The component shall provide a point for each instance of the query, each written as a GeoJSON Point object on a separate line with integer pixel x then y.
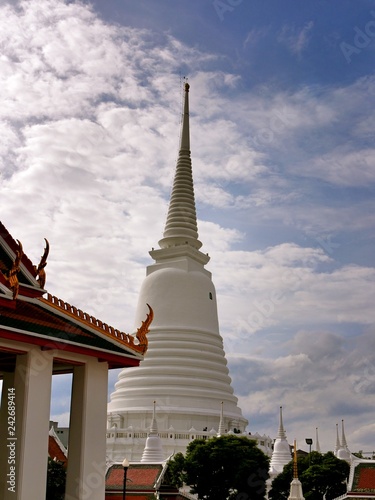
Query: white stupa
{"type": "Point", "coordinates": [317, 444]}
{"type": "Point", "coordinates": [153, 451]}
{"type": "Point", "coordinates": [184, 370]}
{"type": "Point", "coordinates": [281, 454]}
{"type": "Point", "coordinates": [281, 451]}
{"type": "Point", "coordinates": [341, 450]}
{"type": "Point", "coordinates": [338, 444]}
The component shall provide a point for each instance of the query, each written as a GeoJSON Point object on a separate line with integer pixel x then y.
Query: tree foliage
{"type": "Point", "coordinates": [56, 478]}
{"type": "Point", "coordinates": [319, 474]}
{"type": "Point", "coordinates": [222, 468]}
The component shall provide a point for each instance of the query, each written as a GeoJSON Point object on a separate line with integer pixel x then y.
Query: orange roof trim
{"type": "Point", "coordinates": [110, 332]}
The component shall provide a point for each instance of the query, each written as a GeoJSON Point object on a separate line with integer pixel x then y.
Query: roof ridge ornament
{"type": "Point", "coordinates": [39, 270]}
{"type": "Point", "coordinates": [142, 331]}
{"type": "Point", "coordinates": [12, 275]}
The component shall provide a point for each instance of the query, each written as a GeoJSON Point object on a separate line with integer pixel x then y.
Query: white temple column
{"type": "Point", "coordinates": [32, 383]}
{"type": "Point", "coordinates": [8, 383]}
{"type": "Point", "coordinates": [87, 437]}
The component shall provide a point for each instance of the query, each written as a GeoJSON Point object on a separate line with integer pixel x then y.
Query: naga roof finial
{"type": "Point", "coordinates": [12, 276]}
{"type": "Point", "coordinates": [142, 331]}
{"type": "Point", "coordinates": [40, 271]}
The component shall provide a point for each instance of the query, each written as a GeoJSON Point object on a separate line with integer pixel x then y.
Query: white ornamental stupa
{"type": "Point", "coordinates": [341, 450]}
{"type": "Point", "coordinates": [184, 369]}
{"type": "Point", "coordinates": [281, 454]}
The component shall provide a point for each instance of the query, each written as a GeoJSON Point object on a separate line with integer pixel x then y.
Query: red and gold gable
{"type": "Point", "coordinates": [27, 316]}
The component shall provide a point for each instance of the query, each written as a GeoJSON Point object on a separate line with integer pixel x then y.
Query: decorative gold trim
{"type": "Point", "coordinates": [114, 334]}
{"type": "Point", "coordinates": [12, 275]}
{"type": "Point", "coordinates": [40, 272]}
{"type": "Point", "coordinates": [143, 330]}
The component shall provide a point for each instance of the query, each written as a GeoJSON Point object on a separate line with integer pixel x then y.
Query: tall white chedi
{"type": "Point", "coordinates": [184, 369]}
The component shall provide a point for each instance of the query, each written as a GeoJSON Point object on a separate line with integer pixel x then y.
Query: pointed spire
{"type": "Point", "coordinates": [344, 443]}
{"type": "Point", "coordinates": [344, 453]}
{"type": "Point", "coordinates": [153, 451]}
{"type": "Point", "coordinates": [221, 430]}
{"type": "Point", "coordinates": [153, 427]}
{"type": "Point", "coordinates": [185, 132]}
{"type": "Point", "coordinates": [281, 432]}
{"type": "Point", "coordinates": [317, 445]}
{"type": "Point", "coordinates": [338, 444]}
{"type": "Point", "coordinates": [181, 225]}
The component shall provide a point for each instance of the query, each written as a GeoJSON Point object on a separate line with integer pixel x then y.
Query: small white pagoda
{"type": "Point", "coordinates": [281, 454]}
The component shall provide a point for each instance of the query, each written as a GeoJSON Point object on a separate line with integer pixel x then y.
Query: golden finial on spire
{"type": "Point", "coordinates": [187, 86]}
{"type": "Point", "coordinates": [40, 271]}
{"type": "Point", "coordinates": [295, 466]}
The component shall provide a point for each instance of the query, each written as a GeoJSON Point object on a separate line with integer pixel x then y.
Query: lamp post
{"type": "Point", "coordinates": [125, 464]}
{"type": "Point", "coordinates": [309, 441]}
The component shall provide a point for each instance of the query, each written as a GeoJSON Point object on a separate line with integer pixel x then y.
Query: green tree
{"type": "Point", "coordinates": [56, 478]}
{"type": "Point", "coordinates": [319, 474]}
{"type": "Point", "coordinates": [222, 468]}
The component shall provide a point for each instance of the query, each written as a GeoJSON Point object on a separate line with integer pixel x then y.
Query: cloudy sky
{"type": "Point", "coordinates": [282, 136]}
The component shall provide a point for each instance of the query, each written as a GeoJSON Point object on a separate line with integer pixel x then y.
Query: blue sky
{"type": "Point", "coordinates": [282, 136]}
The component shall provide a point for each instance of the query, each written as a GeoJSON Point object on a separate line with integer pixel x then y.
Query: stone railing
{"type": "Point", "coordinates": [130, 434]}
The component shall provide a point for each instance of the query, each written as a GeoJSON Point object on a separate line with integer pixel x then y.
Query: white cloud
{"type": "Point", "coordinates": [296, 39]}
{"type": "Point", "coordinates": [285, 289]}
{"type": "Point", "coordinates": [312, 385]}
{"type": "Point", "coordinates": [255, 35]}
{"type": "Point", "coordinates": [346, 168]}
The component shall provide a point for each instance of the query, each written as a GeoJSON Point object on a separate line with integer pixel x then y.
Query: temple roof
{"type": "Point", "coordinates": [142, 482]}
{"type": "Point", "coordinates": [361, 480]}
{"type": "Point", "coordinates": [364, 478]}
{"type": "Point", "coordinates": [27, 316]}
{"type": "Point", "coordinates": [140, 476]}
{"type": "Point", "coordinates": [5, 260]}
{"type": "Point", "coordinates": [56, 450]}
